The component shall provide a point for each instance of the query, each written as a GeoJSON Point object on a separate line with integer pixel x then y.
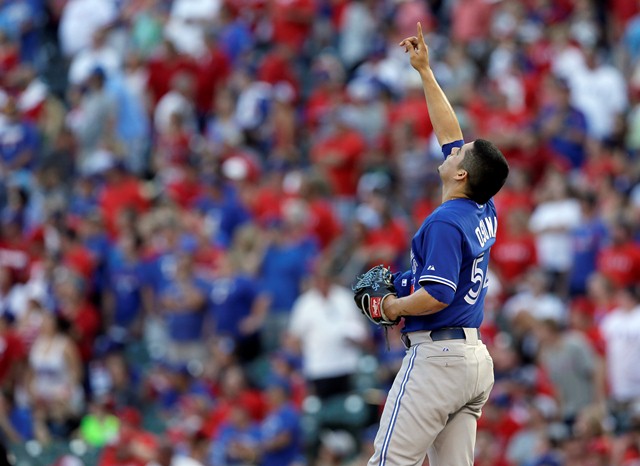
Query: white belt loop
{"type": "Point", "coordinates": [471, 336]}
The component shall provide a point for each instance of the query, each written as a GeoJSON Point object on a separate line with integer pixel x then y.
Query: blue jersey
{"type": "Point", "coordinates": [284, 419]}
{"type": "Point", "coordinates": [449, 259]}
{"type": "Point", "coordinates": [230, 301]}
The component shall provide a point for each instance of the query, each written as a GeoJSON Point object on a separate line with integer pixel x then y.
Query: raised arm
{"type": "Point", "coordinates": [443, 118]}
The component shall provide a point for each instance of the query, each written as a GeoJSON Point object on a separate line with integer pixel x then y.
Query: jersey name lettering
{"type": "Point", "coordinates": [486, 230]}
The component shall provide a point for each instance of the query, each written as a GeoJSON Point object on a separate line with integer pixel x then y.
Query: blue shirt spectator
{"type": "Point", "coordinates": [237, 440]}
{"type": "Point", "coordinates": [587, 240]}
{"type": "Point", "coordinates": [222, 211]}
{"type": "Point", "coordinates": [286, 263]}
{"type": "Point", "coordinates": [231, 300]}
{"type": "Point", "coordinates": [564, 127]}
{"type": "Point", "coordinates": [19, 140]}
{"type": "Point", "coordinates": [182, 300]}
{"type": "Point", "coordinates": [281, 430]}
{"type": "Point", "coordinates": [125, 277]}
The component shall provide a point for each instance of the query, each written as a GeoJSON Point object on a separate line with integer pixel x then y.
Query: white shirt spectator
{"type": "Point", "coordinates": [88, 59]}
{"type": "Point", "coordinates": [15, 301]}
{"type": "Point", "coordinates": [328, 328]}
{"type": "Point", "coordinates": [80, 20]}
{"type": "Point", "coordinates": [356, 33]}
{"type": "Point", "coordinates": [551, 222]}
{"type": "Point", "coordinates": [187, 23]}
{"type": "Point", "coordinates": [601, 94]}
{"type": "Point", "coordinates": [621, 331]}
{"type": "Point", "coordinates": [566, 61]}
{"type": "Point", "coordinates": [541, 307]}
{"type": "Point", "coordinates": [173, 102]}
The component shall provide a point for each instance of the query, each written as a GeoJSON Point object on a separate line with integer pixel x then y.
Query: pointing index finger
{"type": "Point", "coordinates": [420, 36]}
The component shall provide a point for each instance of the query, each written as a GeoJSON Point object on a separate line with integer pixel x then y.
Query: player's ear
{"type": "Point", "coordinates": [461, 174]}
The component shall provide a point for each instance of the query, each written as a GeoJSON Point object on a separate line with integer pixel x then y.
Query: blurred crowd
{"type": "Point", "coordinates": [189, 187]}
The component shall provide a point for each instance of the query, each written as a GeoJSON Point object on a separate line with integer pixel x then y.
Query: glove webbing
{"type": "Point", "coordinates": [369, 278]}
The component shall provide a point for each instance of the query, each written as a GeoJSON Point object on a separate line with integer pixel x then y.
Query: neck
{"type": "Point", "coordinates": [449, 193]}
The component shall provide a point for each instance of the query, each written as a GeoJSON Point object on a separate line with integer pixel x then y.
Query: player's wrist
{"type": "Point", "coordinates": [426, 73]}
{"type": "Point", "coordinates": [389, 311]}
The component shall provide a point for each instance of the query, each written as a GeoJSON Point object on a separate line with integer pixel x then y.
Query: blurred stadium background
{"type": "Point", "coordinates": [188, 188]}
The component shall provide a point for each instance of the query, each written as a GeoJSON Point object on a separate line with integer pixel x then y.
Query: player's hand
{"type": "Point", "coordinates": [418, 50]}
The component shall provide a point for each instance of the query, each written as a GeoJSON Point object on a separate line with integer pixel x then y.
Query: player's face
{"type": "Point", "coordinates": [451, 164]}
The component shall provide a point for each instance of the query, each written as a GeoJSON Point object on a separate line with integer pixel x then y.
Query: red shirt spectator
{"type": "Point", "coordinates": [185, 188]}
{"type": "Point", "coordinates": [412, 110]}
{"type": "Point", "coordinates": [292, 21]}
{"type": "Point", "coordinates": [323, 223]}
{"type": "Point", "coordinates": [422, 209]}
{"type": "Point", "coordinates": [134, 447]}
{"type": "Point", "coordinates": [497, 122]}
{"type": "Point", "coordinates": [510, 198]}
{"type": "Point", "coordinates": [500, 421]}
{"type": "Point", "coordinates": [164, 67]}
{"type": "Point", "coordinates": [339, 155]}
{"type": "Point", "coordinates": [276, 67]}
{"type": "Point", "coordinates": [471, 20]}
{"type": "Point", "coordinates": [622, 11]}
{"type": "Point", "coordinates": [252, 400]}
{"type": "Point", "coordinates": [77, 257]}
{"type": "Point", "coordinates": [387, 242]}
{"type": "Point", "coordinates": [9, 56]}
{"type": "Point", "coordinates": [172, 146]}
{"type": "Point", "coordinates": [213, 70]}
{"type": "Point", "coordinates": [121, 192]}
{"type": "Point", "coordinates": [12, 351]}
{"type": "Point", "coordinates": [266, 204]}
{"type": "Point", "coordinates": [620, 261]}
{"type": "Point", "coordinates": [83, 317]}
{"type": "Point", "coordinates": [581, 318]}
{"type": "Point", "coordinates": [515, 249]}
{"type": "Point", "coordinates": [323, 99]}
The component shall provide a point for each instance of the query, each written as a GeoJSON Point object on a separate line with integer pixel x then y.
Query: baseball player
{"type": "Point", "coordinates": [447, 372]}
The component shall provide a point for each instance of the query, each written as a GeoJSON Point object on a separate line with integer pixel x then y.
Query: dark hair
{"type": "Point", "coordinates": [487, 170]}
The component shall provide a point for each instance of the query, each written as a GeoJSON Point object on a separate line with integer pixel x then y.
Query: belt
{"type": "Point", "coordinates": [445, 333]}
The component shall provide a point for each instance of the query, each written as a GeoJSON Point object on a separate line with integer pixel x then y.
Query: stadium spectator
{"type": "Point", "coordinates": [575, 389]}
{"type": "Point", "coordinates": [619, 261]}
{"type": "Point", "coordinates": [551, 221]}
{"type": "Point", "coordinates": [183, 302]}
{"type": "Point", "coordinates": [281, 439]}
{"type": "Point", "coordinates": [563, 127]}
{"type": "Point", "coordinates": [620, 329]}
{"type": "Point", "coordinates": [237, 308]}
{"type": "Point", "coordinates": [515, 253]}
{"type": "Point", "coordinates": [329, 357]}
{"type": "Point", "coordinates": [237, 441]}
{"type": "Point", "coordinates": [55, 380]}
{"type": "Point", "coordinates": [588, 239]}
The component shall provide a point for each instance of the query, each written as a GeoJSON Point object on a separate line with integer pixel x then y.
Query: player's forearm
{"type": "Point", "coordinates": [419, 303]}
{"type": "Point", "coordinates": [443, 118]}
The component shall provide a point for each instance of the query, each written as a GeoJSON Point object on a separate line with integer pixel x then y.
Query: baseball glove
{"type": "Point", "coordinates": [370, 290]}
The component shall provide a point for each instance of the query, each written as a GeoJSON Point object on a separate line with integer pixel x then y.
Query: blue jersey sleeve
{"type": "Point", "coordinates": [402, 282]}
{"type": "Point", "coordinates": [442, 261]}
{"type": "Point", "coordinates": [447, 148]}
